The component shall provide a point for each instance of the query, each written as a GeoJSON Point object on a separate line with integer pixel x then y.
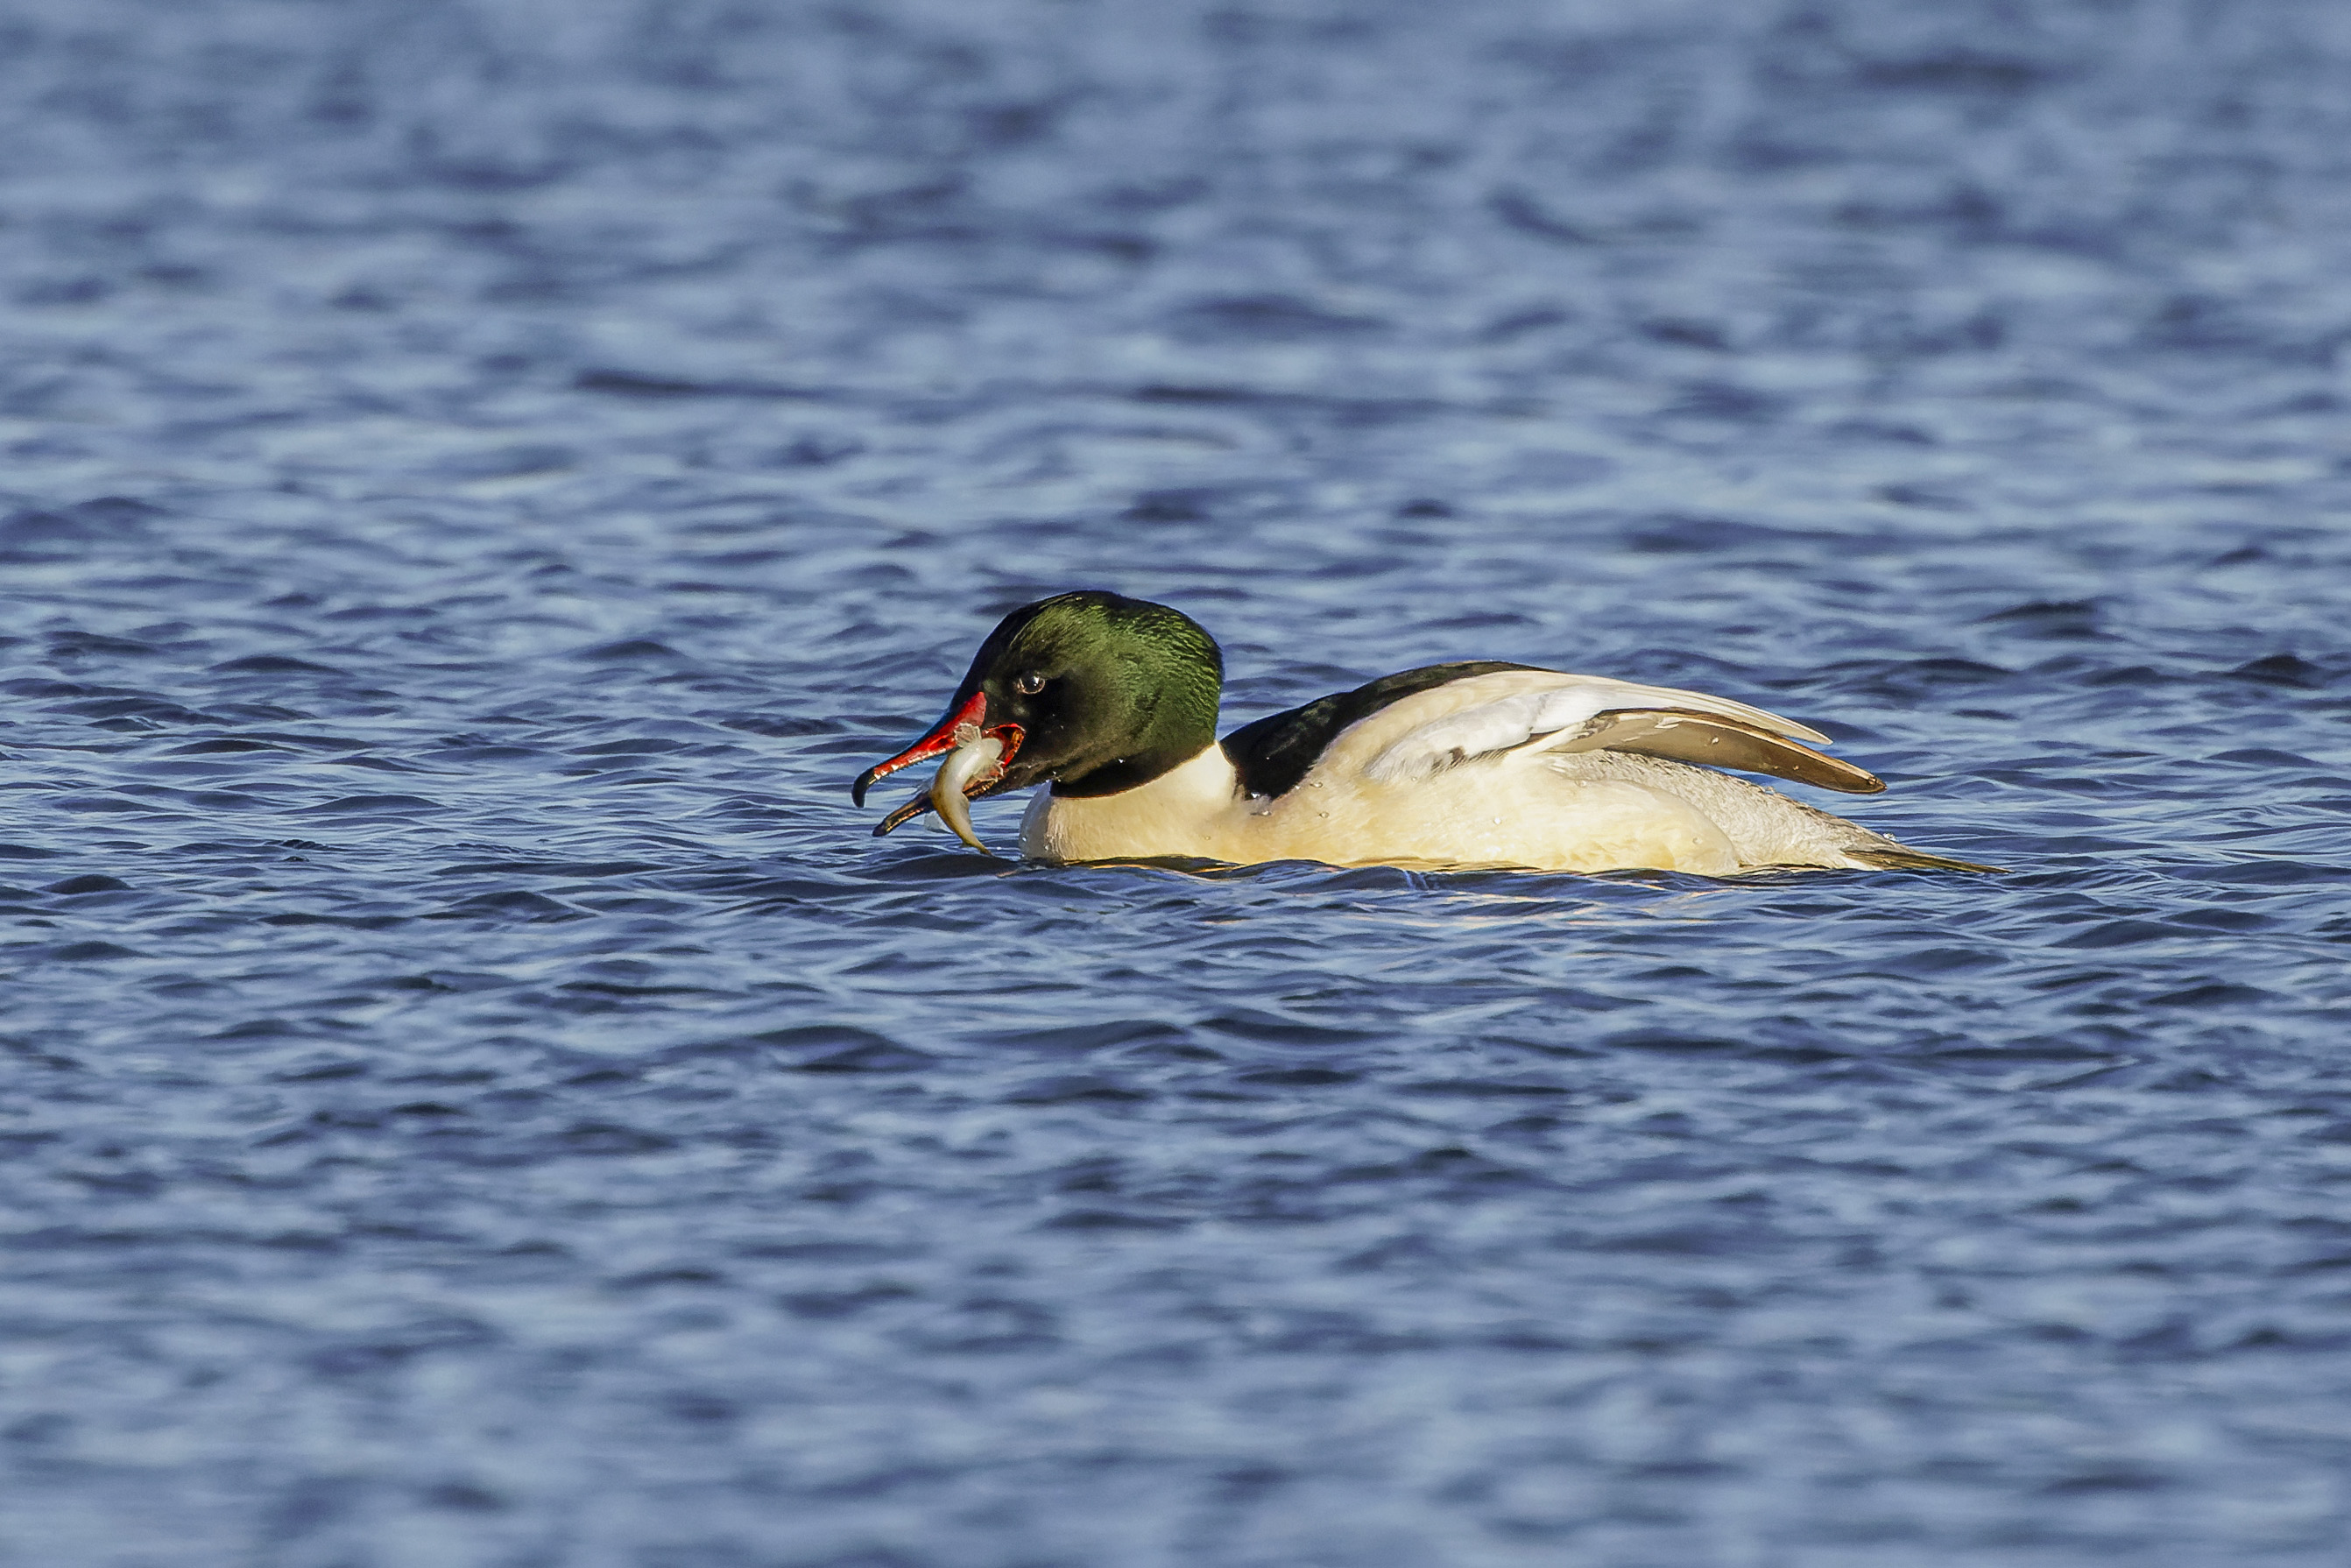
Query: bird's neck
{"type": "Point", "coordinates": [1178, 812]}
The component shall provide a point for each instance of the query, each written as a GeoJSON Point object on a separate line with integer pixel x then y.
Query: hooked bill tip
{"type": "Point", "coordinates": [940, 739]}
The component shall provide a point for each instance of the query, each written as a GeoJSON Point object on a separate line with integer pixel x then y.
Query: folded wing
{"type": "Point", "coordinates": [1585, 713]}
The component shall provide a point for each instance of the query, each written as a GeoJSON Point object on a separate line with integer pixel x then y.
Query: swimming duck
{"type": "Point", "coordinates": [1113, 702]}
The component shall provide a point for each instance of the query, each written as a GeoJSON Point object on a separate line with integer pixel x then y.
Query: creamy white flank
{"type": "Point", "coordinates": [1389, 790]}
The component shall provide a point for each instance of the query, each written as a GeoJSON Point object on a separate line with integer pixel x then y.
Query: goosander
{"type": "Point", "coordinates": [1113, 702]}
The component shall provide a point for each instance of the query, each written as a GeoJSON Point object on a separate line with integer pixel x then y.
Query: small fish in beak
{"type": "Point", "coordinates": [972, 764]}
{"type": "Point", "coordinates": [975, 759]}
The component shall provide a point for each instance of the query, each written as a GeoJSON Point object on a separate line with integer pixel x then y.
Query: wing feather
{"type": "Point", "coordinates": [1712, 741]}
{"type": "Point", "coordinates": [1585, 713]}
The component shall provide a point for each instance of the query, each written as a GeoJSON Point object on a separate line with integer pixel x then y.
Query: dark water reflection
{"type": "Point", "coordinates": [481, 479]}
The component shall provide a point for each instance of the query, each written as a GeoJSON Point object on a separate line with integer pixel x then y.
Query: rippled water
{"type": "Point", "coordinates": [480, 479]}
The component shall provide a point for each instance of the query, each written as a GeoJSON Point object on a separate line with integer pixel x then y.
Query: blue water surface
{"type": "Point", "coordinates": [480, 478]}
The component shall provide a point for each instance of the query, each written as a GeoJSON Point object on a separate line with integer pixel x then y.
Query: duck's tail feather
{"type": "Point", "coordinates": [1891, 856]}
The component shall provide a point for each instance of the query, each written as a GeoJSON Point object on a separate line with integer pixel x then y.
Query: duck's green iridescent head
{"type": "Point", "coordinates": [1090, 691]}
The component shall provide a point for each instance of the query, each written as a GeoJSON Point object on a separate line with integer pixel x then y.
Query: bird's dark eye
{"type": "Point", "coordinates": [1030, 685]}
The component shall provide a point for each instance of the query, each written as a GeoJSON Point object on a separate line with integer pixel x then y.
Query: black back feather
{"type": "Point", "coordinates": [1273, 753]}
